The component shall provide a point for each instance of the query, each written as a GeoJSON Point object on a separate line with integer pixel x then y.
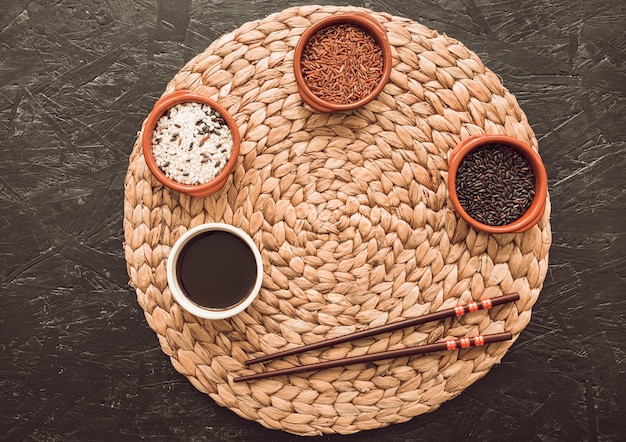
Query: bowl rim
{"type": "Point", "coordinates": [370, 25]}
{"type": "Point", "coordinates": [161, 106]}
{"type": "Point", "coordinates": [536, 210]}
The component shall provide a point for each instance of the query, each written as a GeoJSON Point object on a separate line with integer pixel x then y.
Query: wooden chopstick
{"type": "Point", "coordinates": [450, 344]}
{"type": "Point", "coordinates": [459, 310]}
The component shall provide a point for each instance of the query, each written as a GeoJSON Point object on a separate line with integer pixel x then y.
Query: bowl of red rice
{"type": "Point", "coordinates": [342, 62]}
{"type": "Point", "coordinates": [190, 143]}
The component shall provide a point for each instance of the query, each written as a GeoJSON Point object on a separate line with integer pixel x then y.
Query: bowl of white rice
{"type": "Point", "coordinates": [190, 143]}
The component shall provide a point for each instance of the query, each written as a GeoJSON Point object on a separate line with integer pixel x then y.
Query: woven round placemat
{"type": "Point", "coordinates": [352, 217]}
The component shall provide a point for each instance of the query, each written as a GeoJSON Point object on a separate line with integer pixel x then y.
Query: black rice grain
{"type": "Point", "coordinates": [495, 184]}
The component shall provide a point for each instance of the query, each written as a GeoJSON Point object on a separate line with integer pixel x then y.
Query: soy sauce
{"type": "Point", "coordinates": [216, 269]}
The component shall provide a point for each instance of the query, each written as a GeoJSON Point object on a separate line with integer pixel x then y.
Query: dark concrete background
{"type": "Point", "coordinates": [77, 359]}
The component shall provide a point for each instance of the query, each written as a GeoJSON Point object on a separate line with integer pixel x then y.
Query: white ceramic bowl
{"type": "Point", "coordinates": [184, 300]}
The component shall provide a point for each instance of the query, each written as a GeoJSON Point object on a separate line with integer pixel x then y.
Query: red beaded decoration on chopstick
{"type": "Point", "coordinates": [476, 341]}
{"type": "Point", "coordinates": [485, 304]}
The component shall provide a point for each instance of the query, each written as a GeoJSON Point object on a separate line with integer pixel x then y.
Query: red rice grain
{"type": "Point", "coordinates": [342, 64]}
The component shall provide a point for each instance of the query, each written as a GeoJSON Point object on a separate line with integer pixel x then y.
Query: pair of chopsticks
{"type": "Point", "coordinates": [450, 344]}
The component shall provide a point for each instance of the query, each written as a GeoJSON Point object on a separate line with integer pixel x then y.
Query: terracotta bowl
{"type": "Point", "coordinates": [367, 23]}
{"type": "Point", "coordinates": [533, 214]}
{"type": "Point", "coordinates": [163, 105]}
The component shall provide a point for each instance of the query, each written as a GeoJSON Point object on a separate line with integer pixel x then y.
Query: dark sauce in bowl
{"type": "Point", "coordinates": [216, 269]}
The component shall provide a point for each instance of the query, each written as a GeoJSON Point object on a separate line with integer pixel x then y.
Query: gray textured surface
{"type": "Point", "coordinates": [77, 360]}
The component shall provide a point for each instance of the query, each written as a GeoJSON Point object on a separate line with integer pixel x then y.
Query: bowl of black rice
{"type": "Point", "coordinates": [497, 183]}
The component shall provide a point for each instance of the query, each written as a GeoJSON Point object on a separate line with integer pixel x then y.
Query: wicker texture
{"type": "Point", "coordinates": [352, 217]}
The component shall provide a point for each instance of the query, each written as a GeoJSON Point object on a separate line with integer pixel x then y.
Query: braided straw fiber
{"type": "Point", "coordinates": [352, 217]}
